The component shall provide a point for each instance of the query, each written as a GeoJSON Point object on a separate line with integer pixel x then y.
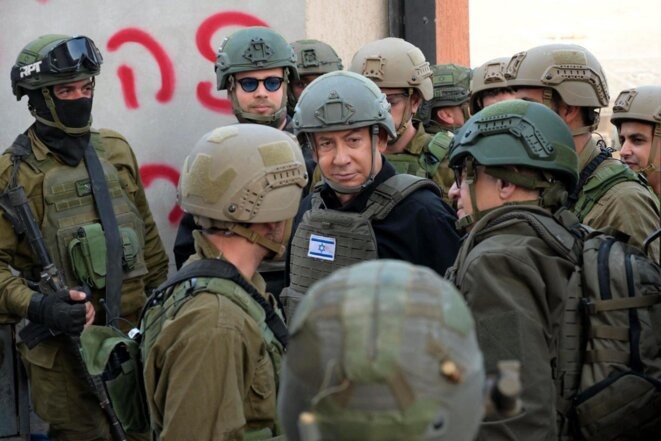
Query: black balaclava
{"type": "Point", "coordinates": [74, 114]}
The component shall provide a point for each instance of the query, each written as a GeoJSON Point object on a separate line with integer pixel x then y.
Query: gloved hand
{"type": "Point", "coordinates": [58, 312]}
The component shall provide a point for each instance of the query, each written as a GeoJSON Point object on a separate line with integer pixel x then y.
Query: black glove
{"type": "Point", "coordinates": [58, 312]}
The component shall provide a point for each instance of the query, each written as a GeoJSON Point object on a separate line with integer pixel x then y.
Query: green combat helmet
{"type": "Point", "coordinates": [382, 350]}
{"type": "Point", "coordinates": [395, 63]}
{"type": "Point", "coordinates": [313, 57]}
{"type": "Point", "coordinates": [522, 134]}
{"type": "Point", "coordinates": [250, 49]}
{"type": "Point", "coordinates": [451, 88]}
{"type": "Point", "coordinates": [242, 174]}
{"type": "Point", "coordinates": [487, 78]}
{"type": "Point", "coordinates": [569, 69]}
{"type": "Point", "coordinates": [343, 101]}
{"type": "Point", "coordinates": [641, 104]}
{"type": "Point", "coordinates": [54, 59]}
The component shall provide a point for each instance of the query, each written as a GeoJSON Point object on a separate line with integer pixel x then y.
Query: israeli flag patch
{"type": "Point", "coordinates": [321, 247]}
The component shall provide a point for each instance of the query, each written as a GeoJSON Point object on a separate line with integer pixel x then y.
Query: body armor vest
{"type": "Point", "coordinates": [71, 226]}
{"type": "Point", "coordinates": [327, 240]}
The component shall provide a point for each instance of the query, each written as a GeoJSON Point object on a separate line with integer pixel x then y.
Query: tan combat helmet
{"type": "Point", "coordinates": [569, 69]}
{"type": "Point", "coordinates": [398, 64]}
{"type": "Point", "coordinates": [382, 350]}
{"type": "Point", "coordinates": [489, 76]}
{"type": "Point", "coordinates": [242, 174]}
{"type": "Point", "coordinates": [641, 104]}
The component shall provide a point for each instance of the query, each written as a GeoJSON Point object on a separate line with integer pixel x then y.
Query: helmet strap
{"type": "Point", "coordinates": [655, 147]}
{"type": "Point", "coordinates": [466, 110]}
{"type": "Point", "coordinates": [406, 117]}
{"type": "Point", "coordinates": [56, 120]}
{"type": "Point", "coordinates": [374, 130]}
{"type": "Point", "coordinates": [552, 192]}
{"type": "Point", "coordinates": [471, 179]}
{"type": "Point", "coordinates": [242, 116]}
{"type": "Point", "coordinates": [256, 238]}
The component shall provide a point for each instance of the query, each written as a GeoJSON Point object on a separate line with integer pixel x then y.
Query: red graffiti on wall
{"type": "Point", "coordinates": [150, 172]}
{"type": "Point", "coordinates": [203, 38]}
{"type": "Point", "coordinates": [204, 91]}
{"type": "Point", "coordinates": [125, 72]}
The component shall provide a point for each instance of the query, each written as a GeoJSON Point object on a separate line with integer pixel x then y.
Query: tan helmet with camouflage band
{"type": "Point", "coordinates": [243, 174]}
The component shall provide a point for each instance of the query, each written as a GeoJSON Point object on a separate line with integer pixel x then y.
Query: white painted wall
{"type": "Point", "coordinates": [162, 130]}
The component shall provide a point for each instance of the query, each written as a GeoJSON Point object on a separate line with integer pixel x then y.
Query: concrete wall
{"type": "Point", "coordinates": [157, 85]}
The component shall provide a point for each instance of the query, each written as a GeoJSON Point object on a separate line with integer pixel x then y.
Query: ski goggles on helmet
{"type": "Point", "coordinates": [250, 84]}
{"type": "Point", "coordinates": [71, 55]}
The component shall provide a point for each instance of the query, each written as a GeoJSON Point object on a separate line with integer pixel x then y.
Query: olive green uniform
{"type": "Point", "coordinates": [59, 392]}
{"type": "Point", "coordinates": [514, 285]}
{"type": "Point", "coordinates": [628, 206]}
{"type": "Point", "coordinates": [209, 374]}
{"type": "Point", "coordinates": [411, 161]}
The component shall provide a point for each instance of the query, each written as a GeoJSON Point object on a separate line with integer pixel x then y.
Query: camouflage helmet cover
{"type": "Point", "coordinates": [519, 133]}
{"type": "Point", "coordinates": [394, 63]}
{"type": "Point", "coordinates": [315, 57]}
{"type": "Point", "coordinates": [341, 100]}
{"type": "Point", "coordinates": [451, 88]}
{"type": "Point", "coordinates": [243, 173]}
{"type": "Point", "coordinates": [569, 69]}
{"type": "Point", "coordinates": [253, 48]}
{"type": "Point", "coordinates": [54, 59]}
{"type": "Point", "coordinates": [383, 350]}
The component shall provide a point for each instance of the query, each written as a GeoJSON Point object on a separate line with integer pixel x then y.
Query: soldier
{"type": "Point", "coordinates": [363, 210]}
{"type": "Point", "coordinates": [84, 189]}
{"type": "Point", "coordinates": [313, 59]}
{"type": "Point", "coordinates": [255, 65]}
{"type": "Point", "coordinates": [445, 113]}
{"type": "Point", "coordinates": [402, 73]}
{"type": "Point", "coordinates": [569, 79]}
{"type": "Point", "coordinates": [382, 350]}
{"type": "Point", "coordinates": [488, 84]}
{"type": "Point", "coordinates": [211, 370]}
{"type": "Point", "coordinates": [448, 109]}
{"type": "Point", "coordinates": [637, 117]}
{"type": "Point", "coordinates": [513, 281]}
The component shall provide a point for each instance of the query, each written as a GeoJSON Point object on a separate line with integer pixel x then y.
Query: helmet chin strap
{"type": "Point", "coordinates": [274, 120]}
{"type": "Point", "coordinates": [655, 147]}
{"type": "Point", "coordinates": [406, 118]}
{"type": "Point", "coordinates": [57, 123]}
{"type": "Point", "coordinates": [256, 238]}
{"type": "Point", "coordinates": [374, 129]}
{"type": "Point", "coordinates": [547, 100]}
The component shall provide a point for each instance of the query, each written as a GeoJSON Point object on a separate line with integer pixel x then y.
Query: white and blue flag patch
{"type": "Point", "coordinates": [321, 247]}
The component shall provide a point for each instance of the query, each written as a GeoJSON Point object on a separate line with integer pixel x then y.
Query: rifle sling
{"type": "Point", "coordinates": [103, 202]}
{"type": "Point", "coordinates": [225, 270]}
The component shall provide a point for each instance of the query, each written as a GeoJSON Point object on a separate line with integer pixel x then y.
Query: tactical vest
{"type": "Point", "coordinates": [606, 174]}
{"type": "Point", "coordinates": [327, 240]}
{"type": "Point", "coordinates": [71, 226]}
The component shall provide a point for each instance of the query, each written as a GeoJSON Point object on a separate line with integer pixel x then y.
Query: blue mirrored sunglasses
{"type": "Point", "coordinates": [250, 84]}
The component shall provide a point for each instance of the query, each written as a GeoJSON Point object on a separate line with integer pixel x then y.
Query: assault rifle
{"type": "Point", "coordinates": [51, 281]}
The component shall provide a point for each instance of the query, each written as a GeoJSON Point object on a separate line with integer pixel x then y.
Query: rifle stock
{"type": "Point", "coordinates": [51, 281]}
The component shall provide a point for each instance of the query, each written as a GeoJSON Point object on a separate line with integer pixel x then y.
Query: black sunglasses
{"type": "Point", "coordinates": [250, 84]}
